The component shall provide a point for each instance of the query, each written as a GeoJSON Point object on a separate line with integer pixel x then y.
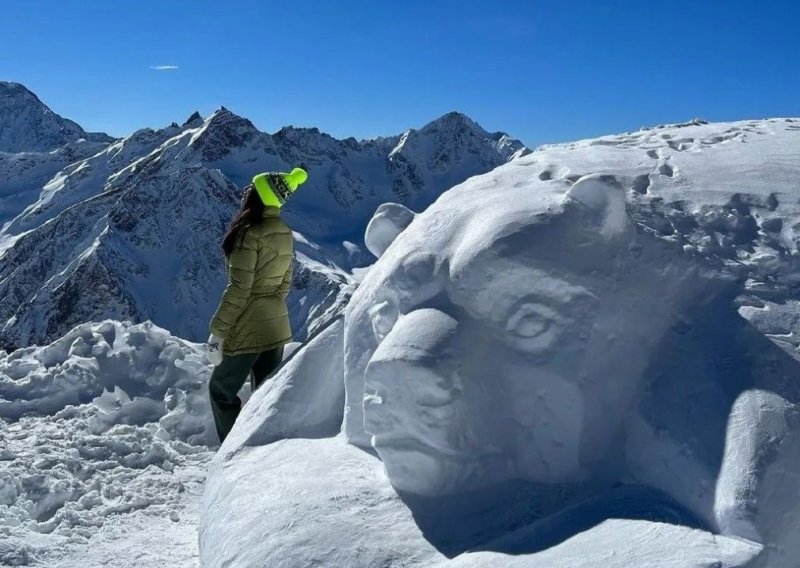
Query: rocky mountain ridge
{"type": "Point", "coordinates": [131, 228]}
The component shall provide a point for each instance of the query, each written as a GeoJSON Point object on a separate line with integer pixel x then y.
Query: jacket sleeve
{"type": "Point", "coordinates": [286, 284]}
{"type": "Point", "coordinates": [241, 270]}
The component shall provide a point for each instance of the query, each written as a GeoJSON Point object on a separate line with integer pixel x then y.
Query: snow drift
{"type": "Point", "coordinates": [550, 345]}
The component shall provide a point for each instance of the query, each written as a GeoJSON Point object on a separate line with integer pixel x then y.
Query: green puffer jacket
{"type": "Point", "coordinates": [252, 316]}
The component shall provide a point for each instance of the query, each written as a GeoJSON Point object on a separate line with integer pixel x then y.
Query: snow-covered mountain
{"type": "Point", "coordinates": [133, 230]}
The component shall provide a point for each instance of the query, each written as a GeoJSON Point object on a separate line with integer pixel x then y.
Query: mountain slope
{"type": "Point", "coordinates": [35, 144]}
{"type": "Point", "coordinates": [23, 175]}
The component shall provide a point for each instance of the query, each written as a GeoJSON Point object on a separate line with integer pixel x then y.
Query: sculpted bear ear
{"type": "Point", "coordinates": [390, 220]}
{"type": "Point", "coordinates": [603, 196]}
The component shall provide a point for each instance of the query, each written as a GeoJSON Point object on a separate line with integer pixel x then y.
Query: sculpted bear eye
{"type": "Point", "coordinates": [531, 320]}
{"type": "Point", "coordinates": [531, 326]}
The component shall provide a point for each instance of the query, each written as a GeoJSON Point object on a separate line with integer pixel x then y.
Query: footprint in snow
{"type": "Point", "coordinates": [666, 170]}
{"type": "Point", "coordinates": [641, 183]}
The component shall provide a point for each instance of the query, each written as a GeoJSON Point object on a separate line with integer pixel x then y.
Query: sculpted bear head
{"type": "Point", "coordinates": [504, 334]}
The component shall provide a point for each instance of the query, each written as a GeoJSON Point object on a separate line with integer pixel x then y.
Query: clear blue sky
{"type": "Point", "coordinates": [542, 70]}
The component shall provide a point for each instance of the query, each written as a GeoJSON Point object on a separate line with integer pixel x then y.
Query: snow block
{"type": "Point", "coordinates": [304, 398]}
{"type": "Point", "coordinates": [520, 303]}
{"type": "Point", "coordinates": [552, 340]}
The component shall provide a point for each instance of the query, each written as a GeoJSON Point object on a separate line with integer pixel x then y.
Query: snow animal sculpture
{"type": "Point", "coordinates": [513, 335]}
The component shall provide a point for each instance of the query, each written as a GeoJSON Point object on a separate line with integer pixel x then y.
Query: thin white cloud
{"type": "Point", "coordinates": [164, 67]}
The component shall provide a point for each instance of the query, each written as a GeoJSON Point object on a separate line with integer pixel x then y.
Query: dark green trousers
{"type": "Point", "coordinates": [228, 378]}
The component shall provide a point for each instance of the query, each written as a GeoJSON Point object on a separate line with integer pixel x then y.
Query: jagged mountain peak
{"type": "Point", "coordinates": [29, 125]}
{"type": "Point", "coordinates": [224, 113]}
{"type": "Point", "coordinates": [222, 132]}
{"type": "Point", "coordinates": [454, 120]}
{"type": "Point", "coordinates": [458, 122]}
{"type": "Point", "coordinates": [305, 137]}
{"type": "Point", "coordinates": [195, 117]}
{"type": "Point", "coordinates": [10, 88]}
{"type": "Point", "coordinates": [454, 135]}
{"type": "Point", "coordinates": [291, 129]}
{"type": "Point", "coordinates": [224, 119]}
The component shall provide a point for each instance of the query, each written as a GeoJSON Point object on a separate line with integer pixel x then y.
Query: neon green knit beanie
{"type": "Point", "coordinates": [275, 189]}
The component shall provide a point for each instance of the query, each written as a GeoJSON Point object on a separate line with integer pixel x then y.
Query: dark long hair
{"type": "Point", "coordinates": [250, 213]}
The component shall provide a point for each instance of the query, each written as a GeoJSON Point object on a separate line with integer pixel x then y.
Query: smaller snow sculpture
{"type": "Point", "coordinates": [389, 221]}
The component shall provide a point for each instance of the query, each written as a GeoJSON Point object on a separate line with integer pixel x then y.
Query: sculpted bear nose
{"type": "Point", "coordinates": [410, 386]}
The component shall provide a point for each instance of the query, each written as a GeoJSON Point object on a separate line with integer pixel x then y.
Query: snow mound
{"type": "Point", "coordinates": [134, 374]}
{"type": "Point", "coordinates": [111, 420]}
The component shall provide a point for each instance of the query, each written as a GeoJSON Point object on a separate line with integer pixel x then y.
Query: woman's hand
{"type": "Point", "coordinates": [214, 350]}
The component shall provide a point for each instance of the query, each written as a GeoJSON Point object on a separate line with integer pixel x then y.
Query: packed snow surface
{"type": "Point", "coordinates": [104, 440]}
{"type": "Point", "coordinates": [586, 357]}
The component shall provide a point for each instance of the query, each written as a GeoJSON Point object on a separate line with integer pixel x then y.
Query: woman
{"type": "Point", "coordinates": [251, 325]}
